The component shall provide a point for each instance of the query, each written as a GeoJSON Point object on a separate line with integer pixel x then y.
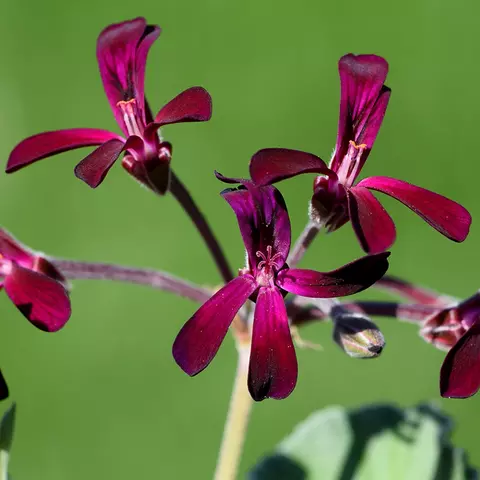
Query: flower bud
{"type": "Point", "coordinates": [358, 336]}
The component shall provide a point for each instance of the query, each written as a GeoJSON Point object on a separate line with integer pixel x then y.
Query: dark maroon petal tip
{"type": "Point", "coordinates": [42, 300]}
{"type": "Point", "coordinates": [200, 338]}
{"type": "Point", "coordinates": [273, 363]}
{"type": "Point", "coordinates": [347, 280]}
{"type": "Point", "coordinates": [93, 168]}
{"type": "Point", "coordinates": [47, 144]}
{"type": "Point", "coordinates": [192, 105]}
{"type": "Point", "coordinates": [372, 224]}
{"type": "Point", "coordinates": [271, 165]}
{"type": "Point", "coordinates": [460, 372]}
{"type": "Point", "coordinates": [444, 215]}
{"type": "Point", "coordinates": [230, 180]}
{"type": "Point", "coordinates": [3, 387]}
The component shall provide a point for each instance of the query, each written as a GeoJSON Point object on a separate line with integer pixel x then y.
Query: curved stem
{"type": "Point", "coordinates": [183, 196]}
{"type": "Point", "coordinates": [413, 292]}
{"type": "Point", "coordinates": [237, 421]}
{"type": "Point", "coordinates": [73, 270]}
{"type": "Point", "coordinates": [303, 242]}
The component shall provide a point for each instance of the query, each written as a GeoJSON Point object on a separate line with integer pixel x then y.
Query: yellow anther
{"type": "Point", "coordinates": [122, 103]}
{"type": "Point", "coordinates": [358, 147]}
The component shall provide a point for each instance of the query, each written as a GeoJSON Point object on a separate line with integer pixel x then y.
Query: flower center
{"type": "Point", "coordinates": [266, 267]}
{"type": "Point", "coordinates": [131, 116]}
{"type": "Point", "coordinates": [351, 163]}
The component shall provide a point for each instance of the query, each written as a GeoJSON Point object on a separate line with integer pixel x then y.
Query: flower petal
{"type": "Point", "coordinates": [12, 249]}
{"type": "Point", "coordinates": [347, 280]}
{"type": "Point", "coordinates": [373, 226]}
{"type": "Point", "coordinates": [263, 220]}
{"type": "Point", "coordinates": [363, 103]}
{"type": "Point", "coordinates": [192, 105]}
{"type": "Point", "coordinates": [443, 214]}
{"type": "Point", "coordinates": [122, 51]}
{"type": "Point", "coordinates": [47, 144]}
{"type": "Point", "coordinates": [93, 168]}
{"type": "Point", "coordinates": [273, 363]}
{"type": "Point", "coordinates": [43, 301]}
{"type": "Point", "coordinates": [3, 387]}
{"type": "Point", "coordinates": [460, 373]}
{"type": "Point", "coordinates": [271, 165]}
{"type": "Point", "coordinates": [200, 338]}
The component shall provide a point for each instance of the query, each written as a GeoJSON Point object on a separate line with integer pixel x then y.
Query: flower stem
{"type": "Point", "coordinates": [237, 421]}
{"type": "Point", "coordinates": [72, 270]}
{"type": "Point", "coordinates": [413, 292]}
{"type": "Point", "coordinates": [303, 242]}
{"type": "Point", "coordinates": [180, 192]}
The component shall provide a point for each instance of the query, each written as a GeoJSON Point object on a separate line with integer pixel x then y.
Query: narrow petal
{"type": "Point", "coordinates": [192, 105]}
{"type": "Point", "coordinates": [200, 338]}
{"type": "Point", "coordinates": [122, 51]}
{"type": "Point", "coordinates": [271, 165]}
{"type": "Point", "coordinates": [273, 363]}
{"type": "Point", "coordinates": [93, 168]}
{"type": "Point", "coordinates": [347, 280]}
{"type": "Point", "coordinates": [363, 103]}
{"type": "Point", "coordinates": [3, 387]}
{"type": "Point", "coordinates": [443, 214]}
{"type": "Point", "coordinates": [47, 144]}
{"type": "Point", "coordinates": [373, 226]}
{"type": "Point", "coordinates": [460, 373]}
{"type": "Point", "coordinates": [12, 249]}
{"type": "Point", "coordinates": [263, 220]}
{"type": "Point", "coordinates": [43, 301]}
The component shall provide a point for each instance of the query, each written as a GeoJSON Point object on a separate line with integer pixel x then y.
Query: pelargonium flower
{"type": "Point", "coordinates": [457, 328]}
{"type": "Point", "coordinates": [122, 51]}
{"type": "Point", "coordinates": [265, 228]}
{"type": "Point", "coordinates": [337, 197]}
{"type": "Point", "coordinates": [33, 284]}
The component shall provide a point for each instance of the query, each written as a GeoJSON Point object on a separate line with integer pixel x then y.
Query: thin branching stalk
{"type": "Point", "coordinates": [236, 424]}
{"type": "Point", "coordinates": [180, 192]}
{"type": "Point", "coordinates": [303, 242]}
{"type": "Point", "coordinates": [73, 270]}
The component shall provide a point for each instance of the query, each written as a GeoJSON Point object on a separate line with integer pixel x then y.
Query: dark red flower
{"type": "Point", "coordinates": [336, 197]}
{"type": "Point", "coordinates": [33, 284]}
{"type": "Point", "coordinates": [457, 329]}
{"type": "Point", "coordinates": [122, 51]}
{"type": "Point", "coordinates": [265, 227]}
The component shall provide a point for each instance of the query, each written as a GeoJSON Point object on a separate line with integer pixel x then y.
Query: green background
{"type": "Point", "coordinates": [103, 397]}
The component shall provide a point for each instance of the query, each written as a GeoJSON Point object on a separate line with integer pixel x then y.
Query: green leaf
{"type": "Point", "coordinates": [7, 426]}
{"type": "Point", "coordinates": [376, 442]}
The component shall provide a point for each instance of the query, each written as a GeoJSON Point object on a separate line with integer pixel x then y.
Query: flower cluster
{"type": "Point", "coordinates": [256, 296]}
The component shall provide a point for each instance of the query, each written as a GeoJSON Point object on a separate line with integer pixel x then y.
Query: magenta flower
{"type": "Point", "coordinates": [337, 197]}
{"type": "Point", "coordinates": [33, 284]}
{"type": "Point", "coordinates": [122, 51]}
{"type": "Point", "coordinates": [265, 227]}
{"type": "Point", "coordinates": [457, 328]}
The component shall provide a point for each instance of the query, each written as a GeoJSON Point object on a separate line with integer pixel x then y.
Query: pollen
{"type": "Point", "coordinates": [358, 147]}
{"type": "Point", "coordinates": [123, 103]}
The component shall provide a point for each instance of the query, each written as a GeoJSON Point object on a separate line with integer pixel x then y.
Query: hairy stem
{"type": "Point", "coordinates": [73, 270]}
{"type": "Point", "coordinates": [235, 429]}
{"type": "Point", "coordinates": [303, 242]}
{"type": "Point", "coordinates": [412, 292]}
{"type": "Point", "coordinates": [183, 196]}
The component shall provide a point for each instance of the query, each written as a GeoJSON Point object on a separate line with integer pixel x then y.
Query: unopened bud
{"type": "Point", "coordinates": [358, 336]}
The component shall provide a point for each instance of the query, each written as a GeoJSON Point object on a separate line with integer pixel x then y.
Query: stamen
{"type": "Point", "coordinates": [358, 147]}
{"type": "Point", "coordinates": [269, 261]}
{"type": "Point", "coordinates": [130, 116]}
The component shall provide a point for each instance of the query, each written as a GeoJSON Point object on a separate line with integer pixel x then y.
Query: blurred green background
{"type": "Point", "coordinates": [103, 398]}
